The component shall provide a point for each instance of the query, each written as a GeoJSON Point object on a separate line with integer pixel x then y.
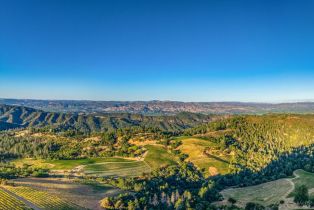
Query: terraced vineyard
{"type": "Point", "coordinates": [42, 199]}
{"type": "Point", "coordinates": [7, 201]}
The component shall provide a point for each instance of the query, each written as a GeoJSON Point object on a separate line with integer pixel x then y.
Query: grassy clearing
{"type": "Point", "coordinates": [196, 147]}
{"type": "Point", "coordinates": [9, 202]}
{"type": "Point", "coordinates": [42, 199]}
{"type": "Point", "coordinates": [304, 178]}
{"type": "Point", "coordinates": [158, 156]}
{"type": "Point", "coordinates": [265, 194]}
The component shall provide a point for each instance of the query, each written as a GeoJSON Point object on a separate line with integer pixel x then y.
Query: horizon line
{"type": "Point", "coordinates": [161, 100]}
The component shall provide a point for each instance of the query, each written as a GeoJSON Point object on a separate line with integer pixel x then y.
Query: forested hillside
{"type": "Point", "coordinates": [263, 148]}
{"type": "Point", "coordinates": [22, 117]}
{"type": "Point", "coordinates": [258, 140]}
{"type": "Point", "coordinates": [253, 149]}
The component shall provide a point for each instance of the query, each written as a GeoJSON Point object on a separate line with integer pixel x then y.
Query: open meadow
{"type": "Point", "coordinates": [304, 178]}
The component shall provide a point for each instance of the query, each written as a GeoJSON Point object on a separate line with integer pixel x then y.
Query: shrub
{"type": "Point", "coordinates": [254, 206]}
{"type": "Point", "coordinates": [301, 195]}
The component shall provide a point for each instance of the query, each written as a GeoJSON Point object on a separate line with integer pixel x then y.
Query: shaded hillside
{"type": "Point", "coordinates": [18, 116]}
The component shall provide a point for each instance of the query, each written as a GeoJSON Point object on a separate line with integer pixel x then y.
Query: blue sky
{"type": "Point", "coordinates": [167, 50]}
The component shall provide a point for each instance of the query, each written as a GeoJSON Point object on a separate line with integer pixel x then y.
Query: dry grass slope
{"type": "Point", "coordinates": [196, 147]}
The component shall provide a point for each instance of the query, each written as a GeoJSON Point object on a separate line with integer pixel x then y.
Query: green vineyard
{"type": "Point", "coordinates": [9, 202]}
{"type": "Point", "coordinates": [134, 168]}
{"type": "Point", "coordinates": [42, 199]}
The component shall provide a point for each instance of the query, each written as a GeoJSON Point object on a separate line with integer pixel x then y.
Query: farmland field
{"type": "Point", "coordinates": [133, 168]}
{"type": "Point", "coordinates": [158, 156]}
{"type": "Point", "coordinates": [64, 164]}
{"type": "Point", "coordinates": [265, 194]}
{"type": "Point", "coordinates": [195, 148]}
{"type": "Point", "coordinates": [84, 195]}
{"type": "Point", "coordinates": [272, 192]}
{"type": "Point", "coordinates": [7, 201]}
{"type": "Point", "coordinates": [42, 199]}
{"type": "Point", "coordinates": [90, 166]}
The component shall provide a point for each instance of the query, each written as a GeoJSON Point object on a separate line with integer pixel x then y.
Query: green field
{"type": "Point", "coordinates": [134, 168]}
{"type": "Point", "coordinates": [43, 200]}
{"type": "Point", "coordinates": [64, 164]}
{"type": "Point", "coordinates": [304, 178]}
{"type": "Point", "coordinates": [70, 164]}
{"type": "Point", "coordinates": [7, 201]}
{"type": "Point", "coordinates": [265, 194]}
{"type": "Point", "coordinates": [271, 192]}
{"type": "Point", "coordinates": [91, 166]}
{"type": "Point", "coordinates": [196, 147]}
{"type": "Point", "coordinates": [158, 156]}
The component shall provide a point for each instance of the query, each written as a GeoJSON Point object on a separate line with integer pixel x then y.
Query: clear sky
{"type": "Point", "coordinates": [254, 50]}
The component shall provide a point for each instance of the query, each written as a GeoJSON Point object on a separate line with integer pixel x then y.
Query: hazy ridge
{"type": "Point", "coordinates": [161, 107]}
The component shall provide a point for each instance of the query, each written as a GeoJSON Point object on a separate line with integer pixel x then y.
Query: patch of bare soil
{"type": "Point", "coordinates": [213, 171]}
{"type": "Point", "coordinates": [21, 133]}
{"type": "Point", "coordinates": [142, 143]}
{"type": "Point", "coordinates": [92, 139]}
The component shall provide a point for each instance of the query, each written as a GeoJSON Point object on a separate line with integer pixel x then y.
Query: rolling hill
{"type": "Point", "coordinates": [21, 117]}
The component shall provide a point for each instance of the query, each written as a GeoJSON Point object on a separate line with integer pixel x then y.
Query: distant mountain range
{"type": "Point", "coordinates": [160, 107]}
{"type": "Point", "coordinates": [23, 117]}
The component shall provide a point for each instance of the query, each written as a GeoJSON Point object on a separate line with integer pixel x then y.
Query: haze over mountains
{"type": "Point", "coordinates": [160, 107]}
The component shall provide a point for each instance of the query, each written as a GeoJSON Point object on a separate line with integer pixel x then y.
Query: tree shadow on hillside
{"type": "Point", "coordinates": [282, 167]}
